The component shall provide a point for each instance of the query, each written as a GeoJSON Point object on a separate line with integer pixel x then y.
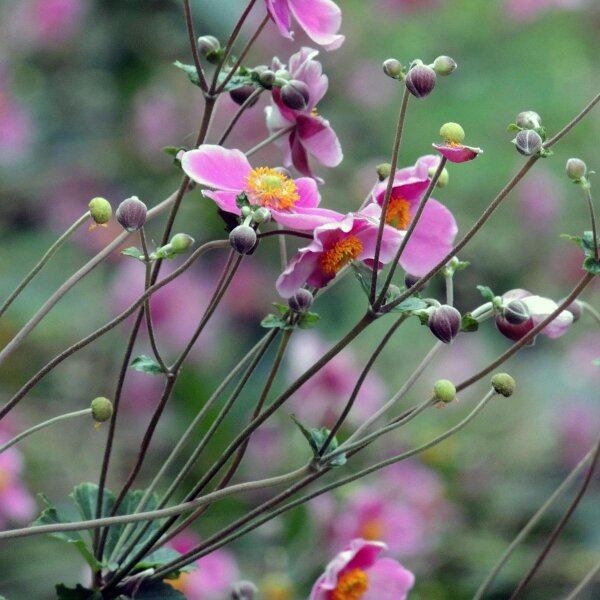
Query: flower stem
{"type": "Point", "coordinates": [584, 582]}
{"type": "Point", "coordinates": [590, 202]}
{"type": "Point", "coordinates": [194, 45]}
{"type": "Point", "coordinates": [246, 104]}
{"type": "Point", "coordinates": [271, 138]}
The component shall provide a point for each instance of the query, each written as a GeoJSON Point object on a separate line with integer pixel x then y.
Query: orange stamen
{"type": "Point", "coordinates": [351, 585]}
{"type": "Point", "coordinates": [271, 189]}
{"type": "Point", "coordinates": [398, 213]}
{"type": "Point", "coordinates": [340, 254]}
{"type": "Point", "coordinates": [372, 530]}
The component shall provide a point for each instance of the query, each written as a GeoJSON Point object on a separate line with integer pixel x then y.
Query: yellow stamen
{"type": "Point", "coordinates": [179, 584]}
{"type": "Point", "coordinates": [372, 530]}
{"type": "Point", "coordinates": [351, 585]}
{"type": "Point", "coordinates": [398, 213]}
{"type": "Point", "coordinates": [340, 254]}
{"type": "Point", "coordinates": [271, 189]}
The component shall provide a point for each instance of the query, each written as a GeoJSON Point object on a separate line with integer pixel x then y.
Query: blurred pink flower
{"type": "Point", "coordinates": [577, 427]}
{"type": "Point", "coordinates": [16, 127]}
{"type": "Point", "coordinates": [16, 503]}
{"type": "Point", "coordinates": [364, 85]}
{"type": "Point", "coordinates": [526, 10]}
{"type": "Point", "coordinates": [540, 202]}
{"type": "Point", "coordinates": [57, 19]}
{"type": "Point", "coordinates": [579, 359]}
{"type": "Point", "coordinates": [358, 573]}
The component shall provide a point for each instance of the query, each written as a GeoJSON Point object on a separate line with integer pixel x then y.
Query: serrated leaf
{"type": "Point", "coordinates": [78, 593]}
{"type": "Point", "coordinates": [272, 321]}
{"type": "Point", "coordinates": [158, 590]}
{"type": "Point", "coordinates": [240, 79]}
{"type": "Point", "coordinates": [307, 434]}
{"type": "Point", "coordinates": [316, 437]}
{"type": "Point", "coordinates": [308, 320]}
{"type": "Point", "coordinates": [410, 305]}
{"type": "Point", "coordinates": [282, 308]}
{"type": "Point", "coordinates": [133, 252]}
{"type": "Point", "coordinates": [486, 292]}
{"type": "Point", "coordinates": [145, 364]}
{"type": "Point", "coordinates": [469, 324]}
{"type": "Point", "coordinates": [190, 71]}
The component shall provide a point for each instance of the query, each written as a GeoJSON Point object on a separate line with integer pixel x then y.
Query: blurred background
{"type": "Point", "coordinates": [89, 96]}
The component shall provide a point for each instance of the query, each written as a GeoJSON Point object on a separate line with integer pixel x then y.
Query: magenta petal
{"type": "Point", "coordinates": [389, 243]}
{"type": "Point", "coordinates": [224, 200]}
{"type": "Point", "coordinates": [458, 154]}
{"type": "Point", "coordinates": [299, 157]}
{"type": "Point", "coordinates": [279, 12]}
{"type": "Point", "coordinates": [424, 163]}
{"type": "Point", "coordinates": [306, 219]}
{"type": "Point", "coordinates": [297, 272]}
{"type": "Point", "coordinates": [308, 192]}
{"type": "Point", "coordinates": [388, 580]}
{"type": "Point", "coordinates": [320, 140]}
{"type": "Point", "coordinates": [217, 167]}
{"type": "Point", "coordinates": [303, 68]}
{"type": "Point", "coordinates": [320, 19]}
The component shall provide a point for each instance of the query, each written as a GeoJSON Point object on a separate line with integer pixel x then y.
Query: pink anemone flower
{"type": "Point", "coordinates": [357, 572]}
{"type": "Point", "coordinates": [457, 153]}
{"type": "Point", "coordinates": [537, 309]}
{"type": "Point", "coordinates": [292, 202]}
{"type": "Point", "coordinates": [310, 133]}
{"type": "Point", "coordinates": [320, 19]}
{"type": "Point", "coordinates": [335, 244]}
{"type": "Point", "coordinates": [434, 234]}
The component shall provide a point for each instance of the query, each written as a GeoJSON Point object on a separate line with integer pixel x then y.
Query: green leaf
{"type": "Point", "coordinates": [316, 437]}
{"type": "Point", "coordinates": [161, 557]}
{"type": "Point", "coordinates": [134, 253]}
{"type": "Point", "coordinates": [241, 200]}
{"type": "Point", "coordinates": [241, 78]}
{"type": "Point", "coordinates": [486, 292]}
{"type": "Point", "coordinates": [158, 590]}
{"type": "Point", "coordinates": [410, 305]}
{"type": "Point", "coordinates": [78, 593]}
{"type": "Point", "coordinates": [145, 364]}
{"type": "Point", "coordinates": [363, 274]}
{"type": "Point", "coordinates": [190, 71]}
{"type": "Point", "coordinates": [513, 127]}
{"type": "Point", "coordinates": [307, 434]}
{"type": "Point", "coordinates": [282, 308]}
{"type": "Point", "coordinates": [308, 320]}
{"type": "Point", "coordinates": [274, 322]}
{"type": "Point", "coordinates": [468, 324]}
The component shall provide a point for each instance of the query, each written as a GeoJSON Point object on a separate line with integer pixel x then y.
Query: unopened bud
{"type": "Point", "coordinates": [444, 323]}
{"type": "Point", "coordinates": [295, 95]}
{"type": "Point", "coordinates": [528, 142]}
{"type": "Point", "coordinates": [301, 301]}
{"type": "Point", "coordinates": [444, 391]}
{"type": "Point", "coordinates": [392, 68]}
{"type": "Point", "coordinates": [452, 133]}
{"type": "Point", "coordinates": [207, 44]}
{"type": "Point", "coordinates": [243, 239]}
{"type": "Point", "coordinates": [383, 171]}
{"type": "Point", "coordinates": [261, 215]}
{"type": "Point", "coordinates": [575, 308]}
{"type": "Point", "coordinates": [131, 214]}
{"type": "Point", "coordinates": [267, 78]}
{"type": "Point", "coordinates": [444, 65]}
{"type": "Point", "coordinates": [410, 280]}
{"type": "Point", "coordinates": [442, 179]}
{"type": "Point", "coordinates": [100, 210]}
{"type": "Point", "coordinates": [181, 242]}
{"type": "Point", "coordinates": [528, 120]}
{"type": "Point", "coordinates": [283, 171]}
{"type": "Point", "coordinates": [102, 409]}
{"type": "Point", "coordinates": [576, 168]}
{"type": "Point", "coordinates": [243, 590]}
{"type": "Point", "coordinates": [245, 211]}
{"type": "Point", "coordinates": [503, 384]}
{"type": "Point", "coordinates": [516, 312]}
{"type": "Point", "coordinates": [420, 81]}
{"type": "Point", "coordinates": [241, 94]}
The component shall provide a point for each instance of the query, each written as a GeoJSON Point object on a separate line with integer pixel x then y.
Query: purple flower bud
{"type": "Point", "coordinates": [420, 81]}
{"type": "Point", "coordinates": [444, 323]}
{"type": "Point", "coordinates": [410, 280]}
{"type": "Point", "coordinates": [207, 44]}
{"type": "Point", "coordinates": [392, 68]}
{"type": "Point", "coordinates": [243, 590]}
{"type": "Point", "coordinates": [515, 312]}
{"type": "Point", "coordinates": [295, 94]}
{"type": "Point", "coordinates": [267, 78]}
{"type": "Point", "coordinates": [528, 142]}
{"type": "Point", "coordinates": [243, 239]}
{"type": "Point", "coordinates": [301, 301]}
{"type": "Point", "coordinates": [131, 214]}
{"type": "Point", "coordinates": [241, 94]}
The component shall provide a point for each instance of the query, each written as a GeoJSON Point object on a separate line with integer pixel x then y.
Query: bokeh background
{"type": "Point", "coordinates": [89, 96]}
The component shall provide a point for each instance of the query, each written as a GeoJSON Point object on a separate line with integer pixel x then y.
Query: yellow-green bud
{"type": "Point", "coordinates": [576, 168]}
{"type": "Point", "coordinates": [442, 179]}
{"type": "Point", "coordinates": [181, 242]}
{"type": "Point", "coordinates": [452, 133]}
{"type": "Point", "coordinates": [444, 391]}
{"type": "Point", "coordinates": [383, 171]}
{"type": "Point", "coordinates": [392, 68]}
{"type": "Point", "coordinates": [444, 65]}
{"type": "Point", "coordinates": [102, 409]}
{"type": "Point", "coordinates": [503, 384]}
{"type": "Point", "coordinates": [100, 210]}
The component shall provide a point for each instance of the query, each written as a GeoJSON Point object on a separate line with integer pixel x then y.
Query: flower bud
{"type": "Point", "coordinates": [515, 312]}
{"type": "Point", "coordinates": [243, 590]}
{"type": "Point", "coordinates": [420, 81]}
{"type": "Point", "coordinates": [245, 211]}
{"type": "Point", "coordinates": [102, 409]}
{"type": "Point", "coordinates": [503, 384]}
{"type": "Point", "coordinates": [575, 308]}
{"type": "Point", "coordinates": [181, 242]}
{"type": "Point", "coordinates": [301, 301]}
{"type": "Point", "coordinates": [444, 65]}
{"type": "Point", "coordinates": [410, 280]}
{"type": "Point", "coordinates": [207, 44]}
{"type": "Point", "coordinates": [241, 94]}
{"type": "Point", "coordinates": [576, 168]}
{"type": "Point", "coordinates": [392, 68]}
{"type": "Point", "coordinates": [261, 215]}
{"type": "Point", "coordinates": [100, 210]}
{"type": "Point", "coordinates": [528, 120]}
{"type": "Point", "coordinates": [267, 78]}
{"type": "Point", "coordinates": [295, 95]}
{"type": "Point", "coordinates": [442, 179]}
{"type": "Point", "coordinates": [452, 133]}
{"type": "Point", "coordinates": [283, 171]}
{"type": "Point", "coordinates": [444, 391]}
{"type": "Point", "coordinates": [243, 239]}
{"type": "Point", "coordinates": [528, 142]}
{"type": "Point", "coordinates": [131, 213]}
{"type": "Point", "coordinates": [444, 323]}
{"type": "Point", "coordinates": [383, 171]}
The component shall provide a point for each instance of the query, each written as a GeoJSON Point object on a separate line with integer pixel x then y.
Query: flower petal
{"type": "Point", "coordinates": [458, 154]}
{"type": "Point", "coordinates": [217, 167]}
{"type": "Point", "coordinates": [280, 13]}
{"type": "Point", "coordinates": [306, 219]}
{"type": "Point", "coordinates": [308, 192]}
{"type": "Point", "coordinates": [224, 200]}
{"type": "Point", "coordinates": [320, 19]}
{"type": "Point", "coordinates": [320, 140]}
{"type": "Point", "coordinates": [388, 580]}
{"type": "Point", "coordinates": [298, 270]}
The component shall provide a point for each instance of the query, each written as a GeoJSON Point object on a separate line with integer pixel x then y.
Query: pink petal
{"type": "Point", "coordinates": [306, 219]}
{"type": "Point", "coordinates": [409, 188]}
{"type": "Point", "coordinates": [424, 163]}
{"type": "Point", "coordinates": [224, 200]}
{"type": "Point", "coordinates": [217, 167]}
{"type": "Point", "coordinates": [298, 156]}
{"type": "Point", "coordinates": [320, 19]}
{"type": "Point", "coordinates": [320, 140]}
{"type": "Point", "coordinates": [279, 12]}
{"type": "Point", "coordinates": [389, 242]}
{"type": "Point", "coordinates": [458, 154]}
{"type": "Point", "coordinates": [303, 68]}
{"type": "Point", "coordinates": [297, 272]}
{"type": "Point", "coordinates": [388, 580]}
{"type": "Point", "coordinates": [308, 192]}
{"type": "Point", "coordinates": [540, 308]}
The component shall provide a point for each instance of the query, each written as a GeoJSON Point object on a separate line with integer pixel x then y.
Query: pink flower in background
{"type": "Point", "coordinates": [16, 503]}
{"type": "Point", "coordinates": [540, 201]}
{"type": "Point", "coordinates": [292, 202]}
{"type": "Point", "coordinates": [320, 19]}
{"type": "Point", "coordinates": [363, 79]}
{"type": "Point", "coordinates": [321, 399]}
{"type": "Point", "coordinates": [526, 10]}
{"type": "Point", "coordinates": [334, 246]}
{"type": "Point", "coordinates": [311, 133]}
{"type": "Point", "coordinates": [401, 6]}
{"type": "Point", "coordinates": [577, 427]}
{"type": "Point", "coordinates": [358, 573]}
{"type": "Point", "coordinates": [57, 19]}
{"type": "Point", "coordinates": [16, 127]}
{"type": "Point", "coordinates": [434, 234]}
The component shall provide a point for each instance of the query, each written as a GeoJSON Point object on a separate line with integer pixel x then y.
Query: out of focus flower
{"type": "Point", "coordinates": [526, 10]}
{"type": "Point", "coordinates": [434, 234]}
{"type": "Point", "coordinates": [334, 246]}
{"type": "Point", "coordinates": [320, 19]}
{"type": "Point", "coordinates": [398, 6]}
{"type": "Point", "coordinates": [311, 133]}
{"type": "Point", "coordinates": [363, 84]}
{"type": "Point", "coordinates": [292, 202]}
{"type": "Point", "coordinates": [16, 503]}
{"type": "Point", "coordinates": [358, 572]}
{"type": "Point", "coordinates": [577, 428]}
{"type": "Point", "coordinates": [16, 127]}
{"type": "Point", "coordinates": [539, 202]}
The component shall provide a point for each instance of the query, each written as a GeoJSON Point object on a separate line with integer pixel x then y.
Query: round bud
{"type": "Point", "coordinates": [283, 171]}
{"type": "Point", "coordinates": [295, 95]}
{"type": "Point", "coordinates": [575, 308]}
{"type": "Point", "coordinates": [444, 391]}
{"type": "Point", "coordinates": [453, 133]}
{"type": "Point", "coordinates": [516, 312]}
{"type": "Point", "coordinates": [261, 215]}
{"type": "Point", "coordinates": [442, 179]}
{"type": "Point", "coordinates": [503, 384]}
{"type": "Point", "coordinates": [383, 171]}
{"type": "Point", "coordinates": [283, 74]}
{"type": "Point", "coordinates": [301, 301]}
{"type": "Point", "coordinates": [528, 120]}
{"type": "Point", "coordinates": [207, 44]}
{"type": "Point", "coordinates": [576, 168]}
{"type": "Point", "coordinates": [243, 239]}
{"type": "Point", "coordinates": [267, 78]}
{"type": "Point", "coordinates": [528, 142]}
{"type": "Point", "coordinates": [444, 323]}
{"type": "Point", "coordinates": [131, 213]}
{"type": "Point", "coordinates": [181, 242]}
{"type": "Point", "coordinates": [243, 590]}
{"type": "Point", "coordinates": [241, 94]}
{"type": "Point", "coordinates": [245, 211]}
{"type": "Point", "coordinates": [444, 65]}
{"type": "Point", "coordinates": [102, 409]}
{"type": "Point", "coordinates": [410, 280]}
{"type": "Point", "coordinates": [392, 68]}
{"type": "Point", "coordinates": [100, 210]}
{"type": "Point", "coordinates": [420, 81]}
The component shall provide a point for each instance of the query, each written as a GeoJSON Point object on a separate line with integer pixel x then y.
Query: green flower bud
{"type": "Point", "coordinates": [267, 78]}
{"type": "Point", "coordinates": [442, 179]}
{"type": "Point", "coordinates": [503, 384]}
{"type": "Point", "coordinates": [181, 242]}
{"type": "Point", "coordinates": [245, 211]}
{"type": "Point", "coordinates": [452, 133]}
{"type": "Point", "coordinates": [100, 210]}
{"type": "Point", "coordinates": [261, 215]}
{"type": "Point", "coordinates": [528, 120]}
{"type": "Point", "coordinates": [383, 171]}
{"type": "Point", "coordinates": [102, 409]}
{"type": "Point", "coordinates": [576, 169]}
{"type": "Point", "coordinates": [392, 68]}
{"type": "Point", "coordinates": [444, 65]}
{"type": "Point", "coordinates": [444, 391]}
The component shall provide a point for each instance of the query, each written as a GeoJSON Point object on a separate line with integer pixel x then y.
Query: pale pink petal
{"type": "Point", "coordinates": [217, 167]}
{"type": "Point", "coordinates": [320, 140]}
{"type": "Point", "coordinates": [424, 163]}
{"type": "Point", "coordinates": [308, 192]}
{"type": "Point", "coordinates": [303, 68]}
{"type": "Point", "coordinates": [458, 154]}
{"type": "Point", "coordinates": [388, 580]}
{"type": "Point", "coordinates": [320, 19]}
{"type": "Point", "coordinates": [224, 200]}
{"type": "Point", "coordinates": [306, 219]}
{"type": "Point", "coordinates": [298, 270]}
{"type": "Point", "coordinates": [279, 12]}
{"type": "Point", "coordinates": [540, 308]}
{"type": "Point", "coordinates": [389, 242]}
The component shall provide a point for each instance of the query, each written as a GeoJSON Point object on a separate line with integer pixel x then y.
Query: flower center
{"type": "Point", "coordinates": [340, 254]}
{"type": "Point", "coordinates": [271, 189]}
{"type": "Point", "coordinates": [372, 529]}
{"type": "Point", "coordinates": [351, 585]}
{"type": "Point", "coordinates": [398, 213]}
{"type": "Point", "coordinates": [4, 479]}
{"type": "Point", "coordinates": [180, 583]}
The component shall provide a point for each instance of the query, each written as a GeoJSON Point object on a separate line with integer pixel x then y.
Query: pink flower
{"type": "Point", "coordinates": [335, 244]}
{"type": "Point", "coordinates": [16, 504]}
{"type": "Point", "coordinates": [16, 126]}
{"type": "Point", "coordinates": [292, 202]}
{"type": "Point", "coordinates": [457, 153]}
{"type": "Point", "coordinates": [312, 134]}
{"type": "Point", "coordinates": [525, 10]}
{"type": "Point", "coordinates": [357, 572]}
{"type": "Point", "coordinates": [434, 234]}
{"type": "Point", "coordinates": [537, 309]}
{"type": "Point", "coordinates": [320, 19]}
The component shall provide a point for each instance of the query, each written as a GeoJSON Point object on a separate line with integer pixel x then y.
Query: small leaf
{"type": "Point", "coordinates": [513, 127]}
{"type": "Point", "coordinates": [78, 593]}
{"type": "Point", "coordinates": [468, 324]}
{"type": "Point", "coordinates": [307, 434]}
{"type": "Point", "coordinates": [161, 557]}
{"type": "Point", "coordinates": [486, 292]}
{"type": "Point", "coordinates": [274, 322]}
{"type": "Point", "coordinates": [241, 200]}
{"type": "Point", "coordinates": [410, 305]}
{"type": "Point", "coordinates": [134, 253]}
{"type": "Point", "coordinates": [308, 320]}
{"type": "Point", "coordinates": [282, 308]}
{"type": "Point", "coordinates": [461, 265]}
{"type": "Point", "coordinates": [190, 71]}
{"type": "Point", "coordinates": [158, 590]}
{"type": "Point", "coordinates": [145, 364]}
{"type": "Point", "coordinates": [364, 275]}
{"type": "Point", "coordinates": [316, 438]}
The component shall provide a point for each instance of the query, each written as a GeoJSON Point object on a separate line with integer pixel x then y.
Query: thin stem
{"type": "Point", "coordinates": [248, 102]}
{"type": "Point", "coordinates": [283, 257]}
{"type": "Point", "coordinates": [584, 583]}
{"type": "Point", "coordinates": [449, 290]}
{"type": "Point", "coordinates": [388, 190]}
{"type": "Point", "coordinates": [44, 260]}
{"type": "Point", "coordinates": [194, 45]}
{"type": "Point", "coordinates": [271, 138]}
{"type": "Point", "coordinates": [590, 202]}
{"type": "Point", "coordinates": [553, 140]}
{"type": "Point", "coordinates": [27, 432]}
